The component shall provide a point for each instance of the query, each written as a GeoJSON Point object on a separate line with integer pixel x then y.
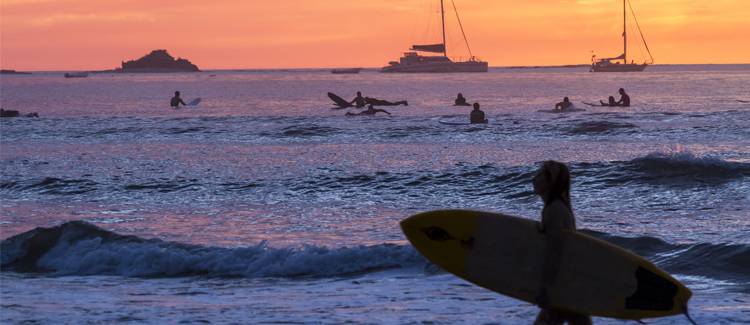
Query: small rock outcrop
{"type": "Point", "coordinates": [159, 61]}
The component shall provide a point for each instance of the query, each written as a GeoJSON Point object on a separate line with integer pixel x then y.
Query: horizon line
{"type": "Point", "coordinates": [575, 65]}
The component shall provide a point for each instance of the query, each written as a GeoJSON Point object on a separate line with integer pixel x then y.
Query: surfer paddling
{"type": "Point", "coordinates": [383, 102]}
{"type": "Point", "coordinates": [369, 111]}
{"type": "Point", "coordinates": [552, 184]}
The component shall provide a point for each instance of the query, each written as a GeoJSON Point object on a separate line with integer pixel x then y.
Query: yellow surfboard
{"type": "Point", "coordinates": [508, 254]}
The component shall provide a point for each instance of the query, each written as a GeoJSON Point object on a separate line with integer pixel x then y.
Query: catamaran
{"type": "Point", "coordinates": [607, 64]}
{"type": "Point", "coordinates": [413, 61]}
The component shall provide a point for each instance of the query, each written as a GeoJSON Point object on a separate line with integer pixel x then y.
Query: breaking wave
{"type": "Point", "coordinates": [80, 248]}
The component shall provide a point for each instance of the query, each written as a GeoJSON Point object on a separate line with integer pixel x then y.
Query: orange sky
{"type": "Point", "coordinates": [98, 34]}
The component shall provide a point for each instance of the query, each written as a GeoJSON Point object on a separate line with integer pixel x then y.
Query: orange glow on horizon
{"type": "Point", "coordinates": [92, 34]}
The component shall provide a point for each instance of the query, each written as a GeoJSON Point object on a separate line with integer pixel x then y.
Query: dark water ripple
{"type": "Point", "coordinates": [680, 170]}
{"type": "Point", "coordinates": [601, 127]}
{"type": "Point", "coordinates": [730, 124]}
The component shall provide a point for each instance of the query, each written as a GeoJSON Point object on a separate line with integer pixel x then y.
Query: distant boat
{"type": "Point", "coordinates": [346, 70]}
{"type": "Point", "coordinates": [607, 64]}
{"type": "Point", "coordinates": [76, 75]}
{"type": "Point", "coordinates": [9, 71]}
{"type": "Point", "coordinates": [414, 62]}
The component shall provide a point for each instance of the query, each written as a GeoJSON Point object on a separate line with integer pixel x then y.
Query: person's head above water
{"type": "Point", "coordinates": [359, 94]}
{"type": "Point", "coordinates": [566, 99]}
{"type": "Point", "coordinates": [621, 91]}
{"type": "Point", "coordinates": [553, 182]}
{"type": "Point", "coordinates": [176, 94]}
{"type": "Point", "coordinates": [476, 106]}
{"type": "Point", "coordinates": [460, 95]}
{"type": "Point", "coordinates": [611, 99]}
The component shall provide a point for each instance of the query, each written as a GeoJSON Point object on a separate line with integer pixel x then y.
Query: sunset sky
{"type": "Point", "coordinates": [98, 34]}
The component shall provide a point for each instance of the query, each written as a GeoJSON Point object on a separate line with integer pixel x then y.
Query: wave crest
{"type": "Point", "coordinates": [79, 248]}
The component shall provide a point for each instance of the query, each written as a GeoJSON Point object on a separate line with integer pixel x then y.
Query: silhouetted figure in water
{"type": "Point", "coordinates": [14, 113]}
{"type": "Point", "coordinates": [382, 102]}
{"type": "Point", "coordinates": [552, 184]}
{"type": "Point", "coordinates": [460, 100]}
{"type": "Point", "coordinates": [358, 101]}
{"type": "Point", "coordinates": [610, 101]}
{"type": "Point", "coordinates": [477, 116]}
{"type": "Point", "coordinates": [369, 111]}
{"type": "Point", "coordinates": [564, 105]}
{"type": "Point", "coordinates": [624, 98]}
{"type": "Point", "coordinates": [176, 100]}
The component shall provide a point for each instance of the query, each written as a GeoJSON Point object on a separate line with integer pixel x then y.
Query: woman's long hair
{"type": "Point", "coordinates": [559, 174]}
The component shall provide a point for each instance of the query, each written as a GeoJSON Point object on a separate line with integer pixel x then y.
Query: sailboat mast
{"type": "Point", "coordinates": [624, 35]}
{"type": "Point", "coordinates": [442, 17]}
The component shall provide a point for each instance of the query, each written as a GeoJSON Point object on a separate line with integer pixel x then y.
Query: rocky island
{"type": "Point", "coordinates": [158, 61]}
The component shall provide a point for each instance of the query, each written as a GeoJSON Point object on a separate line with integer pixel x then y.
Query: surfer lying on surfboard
{"type": "Point", "coordinates": [624, 100]}
{"type": "Point", "coordinates": [552, 184]}
{"type": "Point", "coordinates": [360, 101]}
{"type": "Point", "coordinates": [383, 102]}
{"type": "Point", "coordinates": [610, 102]}
{"type": "Point", "coordinates": [369, 111]}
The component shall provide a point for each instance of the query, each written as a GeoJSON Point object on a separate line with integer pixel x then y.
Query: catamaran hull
{"type": "Point", "coordinates": [618, 68]}
{"type": "Point", "coordinates": [469, 66]}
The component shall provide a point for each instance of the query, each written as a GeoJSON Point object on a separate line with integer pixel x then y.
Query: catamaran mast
{"type": "Point", "coordinates": [442, 17]}
{"type": "Point", "coordinates": [624, 36]}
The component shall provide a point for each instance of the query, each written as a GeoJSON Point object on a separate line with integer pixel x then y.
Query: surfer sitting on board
{"type": "Point", "coordinates": [624, 98]}
{"type": "Point", "coordinates": [460, 100]}
{"type": "Point", "coordinates": [610, 101]}
{"type": "Point", "coordinates": [552, 184]}
{"type": "Point", "coordinates": [383, 102]}
{"type": "Point", "coordinates": [564, 105]}
{"type": "Point", "coordinates": [176, 100]}
{"type": "Point", "coordinates": [369, 111]}
{"type": "Point", "coordinates": [358, 101]}
{"type": "Point", "coordinates": [477, 115]}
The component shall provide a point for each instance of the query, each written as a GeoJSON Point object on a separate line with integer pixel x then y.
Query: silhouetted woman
{"type": "Point", "coordinates": [552, 184]}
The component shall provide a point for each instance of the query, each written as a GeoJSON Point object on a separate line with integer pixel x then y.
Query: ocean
{"type": "Point", "coordinates": [262, 205]}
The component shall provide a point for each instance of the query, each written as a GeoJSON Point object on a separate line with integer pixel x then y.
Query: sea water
{"type": "Point", "coordinates": [264, 205]}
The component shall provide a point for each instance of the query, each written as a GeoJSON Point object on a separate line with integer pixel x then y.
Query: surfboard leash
{"type": "Point", "coordinates": [685, 308]}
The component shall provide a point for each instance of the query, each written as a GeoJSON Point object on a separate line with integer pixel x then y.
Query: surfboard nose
{"type": "Point", "coordinates": [445, 237]}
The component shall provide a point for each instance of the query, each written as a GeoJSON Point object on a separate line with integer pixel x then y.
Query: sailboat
{"type": "Point", "coordinates": [607, 64]}
{"type": "Point", "coordinates": [414, 62]}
